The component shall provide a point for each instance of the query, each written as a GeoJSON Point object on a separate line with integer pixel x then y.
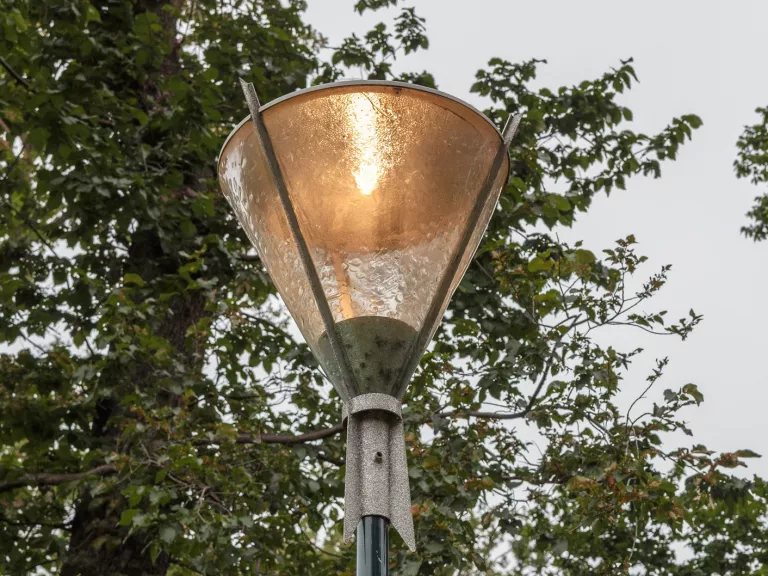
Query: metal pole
{"type": "Point", "coordinates": [373, 546]}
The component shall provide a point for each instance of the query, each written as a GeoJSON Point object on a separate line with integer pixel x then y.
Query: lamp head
{"type": "Point", "coordinates": [391, 186]}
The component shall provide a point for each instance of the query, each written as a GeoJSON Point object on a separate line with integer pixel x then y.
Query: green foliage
{"type": "Point", "coordinates": [752, 162]}
{"type": "Point", "coordinates": [574, 141]}
{"type": "Point", "coordinates": [149, 389]}
{"type": "Point", "coordinates": [363, 5]}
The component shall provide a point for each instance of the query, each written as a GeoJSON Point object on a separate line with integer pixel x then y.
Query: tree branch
{"type": "Point", "coordinates": [289, 439]}
{"type": "Point", "coordinates": [12, 165]}
{"type": "Point", "coordinates": [318, 547]}
{"type": "Point", "coordinates": [55, 479]}
{"type": "Point", "coordinates": [14, 74]}
{"type": "Point", "coordinates": [61, 525]}
{"type": "Point", "coordinates": [487, 415]}
{"type": "Point", "coordinates": [330, 459]}
{"type": "Point", "coordinates": [185, 566]}
{"type": "Point", "coordinates": [512, 415]}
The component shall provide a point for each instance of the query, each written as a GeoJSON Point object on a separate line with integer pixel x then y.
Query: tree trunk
{"type": "Point", "coordinates": [98, 545]}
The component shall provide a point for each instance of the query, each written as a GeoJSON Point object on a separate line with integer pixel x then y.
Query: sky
{"type": "Point", "coordinates": [700, 57]}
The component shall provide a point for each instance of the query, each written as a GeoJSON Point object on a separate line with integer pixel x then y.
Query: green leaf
{"type": "Point", "coordinates": [168, 534]}
{"type": "Point", "coordinates": [135, 498]}
{"type": "Point", "coordinates": [561, 203]}
{"type": "Point", "coordinates": [693, 391]}
{"type": "Point", "coordinates": [187, 228]}
{"type": "Point", "coordinates": [140, 115]}
{"type": "Point", "coordinates": [585, 256]}
{"type": "Point", "coordinates": [19, 21]}
{"type": "Point", "coordinates": [693, 120]}
{"type": "Point", "coordinates": [38, 137]}
{"type": "Point", "coordinates": [59, 276]}
{"type": "Point", "coordinates": [539, 265]}
{"type": "Point", "coordinates": [132, 278]}
{"type": "Point", "coordinates": [747, 454]}
{"type": "Point", "coordinates": [92, 14]}
{"type": "Point", "coordinates": [127, 516]}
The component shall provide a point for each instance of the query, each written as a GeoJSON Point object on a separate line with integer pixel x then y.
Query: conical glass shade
{"type": "Point", "coordinates": [383, 179]}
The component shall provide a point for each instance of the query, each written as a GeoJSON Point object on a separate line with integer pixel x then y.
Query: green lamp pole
{"type": "Point", "coordinates": [366, 201]}
{"type": "Point", "coordinates": [373, 546]}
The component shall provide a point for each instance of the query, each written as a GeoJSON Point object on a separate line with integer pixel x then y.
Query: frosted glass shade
{"type": "Point", "coordinates": [383, 178]}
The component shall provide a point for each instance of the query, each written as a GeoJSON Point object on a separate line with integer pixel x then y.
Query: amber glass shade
{"type": "Point", "coordinates": [383, 178]}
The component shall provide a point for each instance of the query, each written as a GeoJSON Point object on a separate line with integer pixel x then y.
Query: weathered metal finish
{"type": "Point", "coordinates": [374, 464]}
{"type": "Point", "coordinates": [422, 340]}
{"type": "Point", "coordinates": [376, 348]}
{"type": "Point", "coordinates": [376, 482]}
{"type": "Point", "coordinates": [372, 547]}
{"type": "Point", "coordinates": [301, 245]}
{"type": "Point", "coordinates": [374, 401]}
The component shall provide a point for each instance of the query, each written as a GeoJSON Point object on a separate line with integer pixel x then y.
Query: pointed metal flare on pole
{"type": "Point", "coordinates": [376, 482]}
{"type": "Point", "coordinates": [366, 202]}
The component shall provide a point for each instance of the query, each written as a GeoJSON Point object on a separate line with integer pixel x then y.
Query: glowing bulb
{"type": "Point", "coordinates": [363, 125]}
{"type": "Point", "coordinates": [367, 177]}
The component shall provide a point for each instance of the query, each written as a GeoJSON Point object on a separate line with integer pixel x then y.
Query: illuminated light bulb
{"type": "Point", "coordinates": [367, 178]}
{"type": "Point", "coordinates": [362, 119]}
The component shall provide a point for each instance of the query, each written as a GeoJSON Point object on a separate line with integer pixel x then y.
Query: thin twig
{"type": "Point", "coordinates": [16, 75]}
{"type": "Point", "coordinates": [525, 411]}
{"type": "Point", "coordinates": [12, 165]}
{"type": "Point", "coordinates": [289, 439]}
{"type": "Point", "coordinates": [331, 460]}
{"type": "Point", "coordinates": [318, 547]}
{"type": "Point", "coordinates": [185, 566]}
{"type": "Point", "coordinates": [61, 526]}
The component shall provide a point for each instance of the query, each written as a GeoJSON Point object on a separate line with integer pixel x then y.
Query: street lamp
{"type": "Point", "coordinates": [366, 201]}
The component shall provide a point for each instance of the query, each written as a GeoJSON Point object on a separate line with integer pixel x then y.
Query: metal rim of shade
{"type": "Point", "coordinates": [345, 83]}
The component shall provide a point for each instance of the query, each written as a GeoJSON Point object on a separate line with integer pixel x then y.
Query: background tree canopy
{"type": "Point", "coordinates": [752, 162]}
{"type": "Point", "coordinates": [157, 414]}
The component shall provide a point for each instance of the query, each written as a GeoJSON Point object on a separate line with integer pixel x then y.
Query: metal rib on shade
{"type": "Point", "coordinates": [390, 187]}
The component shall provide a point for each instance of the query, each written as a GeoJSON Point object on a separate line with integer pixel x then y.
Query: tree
{"type": "Point", "coordinates": [159, 418]}
{"type": "Point", "coordinates": [752, 162]}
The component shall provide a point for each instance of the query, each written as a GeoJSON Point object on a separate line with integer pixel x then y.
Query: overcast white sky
{"type": "Point", "coordinates": [705, 57]}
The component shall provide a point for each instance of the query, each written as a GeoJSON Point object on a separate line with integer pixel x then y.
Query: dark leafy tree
{"type": "Point", "coordinates": [156, 414]}
{"type": "Point", "coordinates": [752, 162]}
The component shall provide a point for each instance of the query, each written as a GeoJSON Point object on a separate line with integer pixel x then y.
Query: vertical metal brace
{"type": "Point", "coordinates": [293, 224]}
{"type": "Point", "coordinates": [510, 129]}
